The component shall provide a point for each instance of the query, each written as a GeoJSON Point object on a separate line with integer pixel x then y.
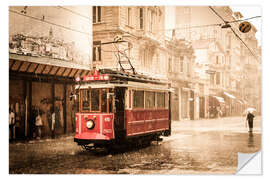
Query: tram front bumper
{"type": "Point", "coordinates": [91, 136]}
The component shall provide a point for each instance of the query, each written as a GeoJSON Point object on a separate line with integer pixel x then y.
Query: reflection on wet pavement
{"type": "Point", "coordinates": [185, 152]}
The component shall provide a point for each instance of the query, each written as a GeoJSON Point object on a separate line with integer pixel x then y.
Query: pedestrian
{"type": "Point", "coordinates": [250, 118]}
{"type": "Point", "coordinates": [53, 122]}
{"type": "Point", "coordinates": [11, 124]}
{"type": "Point", "coordinates": [33, 122]}
{"type": "Point", "coordinates": [39, 124]}
{"type": "Point", "coordinates": [219, 114]}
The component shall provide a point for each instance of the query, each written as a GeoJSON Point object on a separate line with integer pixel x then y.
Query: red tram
{"type": "Point", "coordinates": [115, 108]}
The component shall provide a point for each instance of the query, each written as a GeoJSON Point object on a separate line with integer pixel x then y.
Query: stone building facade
{"type": "Point", "coordinates": [220, 57]}
{"type": "Point", "coordinates": [181, 74]}
{"type": "Point", "coordinates": [139, 28]}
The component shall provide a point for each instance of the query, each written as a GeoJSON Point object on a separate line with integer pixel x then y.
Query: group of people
{"type": "Point", "coordinates": [52, 117]}
{"type": "Point", "coordinates": [16, 119]}
{"type": "Point", "coordinates": [37, 122]}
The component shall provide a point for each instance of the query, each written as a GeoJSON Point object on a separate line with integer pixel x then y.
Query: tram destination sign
{"type": "Point", "coordinates": [103, 77]}
{"type": "Point", "coordinates": [96, 77]}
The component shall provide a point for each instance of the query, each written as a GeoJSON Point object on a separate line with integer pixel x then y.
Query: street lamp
{"type": "Point", "coordinates": [226, 25]}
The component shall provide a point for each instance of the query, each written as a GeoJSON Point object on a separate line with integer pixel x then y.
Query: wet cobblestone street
{"type": "Point", "coordinates": [195, 147]}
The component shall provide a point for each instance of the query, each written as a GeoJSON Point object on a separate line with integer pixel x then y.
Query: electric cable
{"type": "Point", "coordinates": [61, 26]}
{"type": "Point", "coordinates": [234, 33]}
{"type": "Point", "coordinates": [74, 12]}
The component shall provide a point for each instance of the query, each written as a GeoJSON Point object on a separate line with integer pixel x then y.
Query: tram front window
{"type": "Point", "coordinates": [96, 100]}
{"type": "Point", "coordinates": [85, 99]}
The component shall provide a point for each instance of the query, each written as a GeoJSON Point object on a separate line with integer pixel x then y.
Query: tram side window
{"type": "Point", "coordinates": [110, 101]}
{"type": "Point", "coordinates": [138, 99]}
{"type": "Point", "coordinates": [85, 100]}
{"type": "Point", "coordinates": [149, 99]}
{"type": "Point", "coordinates": [95, 99]}
{"type": "Point", "coordinates": [104, 100]}
{"type": "Point", "coordinates": [161, 100]}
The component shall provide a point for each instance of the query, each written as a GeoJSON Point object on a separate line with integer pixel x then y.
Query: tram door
{"type": "Point", "coordinates": [119, 94]}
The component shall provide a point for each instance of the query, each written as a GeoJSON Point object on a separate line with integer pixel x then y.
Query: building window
{"type": "Point", "coordinates": [218, 78]}
{"type": "Point", "coordinates": [96, 14]}
{"type": "Point", "coordinates": [129, 16]}
{"type": "Point", "coordinates": [141, 18]}
{"type": "Point", "coordinates": [212, 78]}
{"type": "Point", "coordinates": [181, 64]}
{"type": "Point", "coordinates": [216, 59]}
{"type": "Point", "coordinates": [151, 20]}
{"type": "Point", "coordinates": [145, 58]}
{"type": "Point", "coordinates": [229, 41]}
{"type": "Point", "coordinates": [170, 65]}
{"type": "Point", "coordinates": [97, 51]}
{"type": "Point", "coordinates": [188, 69]}
{"type": "Point", "coordinates": [215, 33]}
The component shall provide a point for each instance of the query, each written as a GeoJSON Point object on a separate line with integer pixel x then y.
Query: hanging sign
{"type": "Point", "coordinates": [244, 27]}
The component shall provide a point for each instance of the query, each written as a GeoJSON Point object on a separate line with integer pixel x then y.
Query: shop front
{"type": "Point", "coordinates": [43, 90]}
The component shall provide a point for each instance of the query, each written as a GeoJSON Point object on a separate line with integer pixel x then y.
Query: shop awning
{"type": "Point", "coordinates": [47, 67]}
{"type": "Point", "coordinates": [220, 99]}
{"type": "Point", "coordinates": [239, 100]}
{"type": "Point", "coordinates": [229, 95]}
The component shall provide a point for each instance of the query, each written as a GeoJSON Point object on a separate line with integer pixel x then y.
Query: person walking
{"type": "Point", "coordinates": [12, 124]}
{"type": "Point", "coordinates": [250, 118]}
{"type": "Point", "coordinates": [39, 124]}
{"type": "Point", "coordinates": [53, 124]}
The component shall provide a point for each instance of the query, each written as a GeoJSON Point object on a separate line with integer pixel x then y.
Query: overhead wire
{"type": "Point", "coordinates": [48, 22]}
{"type": "Point", "coordinates": [244, 19]}
{"type": "Point", "coordinates": [76, 13]}
{"type": "Point", "coordinates": [234, 32]}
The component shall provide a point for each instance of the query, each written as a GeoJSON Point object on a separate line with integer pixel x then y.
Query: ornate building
{"type": "Point", "coordinates": [142, 43]}
{"type": "Point", "coordinates": [220, 57]}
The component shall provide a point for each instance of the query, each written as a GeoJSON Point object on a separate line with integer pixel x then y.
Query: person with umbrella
{"type": "Point", "coordinates": [250, 117]}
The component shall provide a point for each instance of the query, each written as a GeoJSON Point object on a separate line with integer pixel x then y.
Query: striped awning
{"type": "Point", "coordinates": [229, 95]}
{"type": "Point", "coordinates": [45, 66]}
{"type": "Point", "coordinates": [220, 99]}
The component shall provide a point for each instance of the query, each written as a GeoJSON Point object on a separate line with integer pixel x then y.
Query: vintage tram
{"type": "Point", "coordinates": [120, 108]}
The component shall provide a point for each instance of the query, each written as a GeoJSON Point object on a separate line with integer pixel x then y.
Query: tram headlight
{"type": "Point", "coordinates": [90, 124]}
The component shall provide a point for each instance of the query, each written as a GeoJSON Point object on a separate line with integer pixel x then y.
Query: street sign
{"type": "Point", "coordinates": [244, 27]}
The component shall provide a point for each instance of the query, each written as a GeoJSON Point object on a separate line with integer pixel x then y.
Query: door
{"type": "Point", "coordinates": [119, 120]}
{"type": "Point", "coordinates": [202, 107]}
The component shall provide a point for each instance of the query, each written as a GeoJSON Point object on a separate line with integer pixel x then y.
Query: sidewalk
{"type": "Point", "coordinates": [235, 124]}
{"type": "Point", "coordinates": [44, 139]}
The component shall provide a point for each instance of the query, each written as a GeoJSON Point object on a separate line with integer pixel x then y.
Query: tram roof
{"type": "Point", "coordinates": [138, 86]}
{"type": "Point", "coordinates": [122, 77]}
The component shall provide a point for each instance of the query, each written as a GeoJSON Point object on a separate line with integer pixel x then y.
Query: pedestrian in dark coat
{"type": "Point", "coordinates": [250, 118]}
